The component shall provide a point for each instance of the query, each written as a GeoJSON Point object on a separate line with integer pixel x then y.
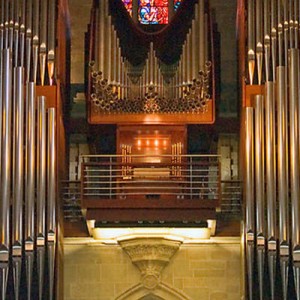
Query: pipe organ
{"type": "Point", "coordinates": [28, 172]}
{"type": "Point", "coordinates": [271, 144]}
{"type": "Point", "coordinates": [119, 86]}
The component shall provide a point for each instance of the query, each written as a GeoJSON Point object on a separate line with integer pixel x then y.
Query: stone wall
{"type": "Point", "coordinates": [208, 271]}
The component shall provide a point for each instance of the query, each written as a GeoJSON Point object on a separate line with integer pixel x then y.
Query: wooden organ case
{"type": "Point", "coordinates": [151, 81]}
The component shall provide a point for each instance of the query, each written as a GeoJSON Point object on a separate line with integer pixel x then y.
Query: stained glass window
{"type": "Point", "coordinates": [128, 5]}
{"type": "Point", "coordinates": [153, 11]}
{"type": "Point", "coordinates": [176, 4]}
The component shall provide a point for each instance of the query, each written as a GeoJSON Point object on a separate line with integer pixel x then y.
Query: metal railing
{"type": "Point", "coordinates": [231, 203]}
{"type": "Point", "coordinates": [157, 177]}
{"type": "Point", "coordinates": [71, 196]}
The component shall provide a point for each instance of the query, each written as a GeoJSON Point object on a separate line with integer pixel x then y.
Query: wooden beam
{"type": "Point", "coordinates": [134, 214]}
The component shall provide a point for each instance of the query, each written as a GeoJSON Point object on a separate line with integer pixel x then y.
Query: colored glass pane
{"type": "Point", "coordinates": [153, 11]}
{"type": "Point", "coordinates": [128, 5]}
{"type": "Point", "coordinates": [177, 3]}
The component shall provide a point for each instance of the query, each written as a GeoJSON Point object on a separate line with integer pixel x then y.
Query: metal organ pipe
{"type": "Point", "coordinates": [43, 39]}
{"type": "Point", "coordinates": [259, 40]}
{"type": "Point", "coordinates": [249, 173]}
{"type": "Point", "coordinates": [249, 196]}
{"type": "Point", "coordinates": [201, 35]}
{"type": "Point", "coordinates": [28, 38]}
{"type": "Point", "coordinates": [51, 187]}
{"type": "Point", "coordinates": [41, 190]}
{"type": "Point", "coordinates": [259, 188]}
{"type": "Point", "coordinates": [267, 40]}
{"type": "Point", "coordinates": [35, 37]}
{"type": "Point", "coordinates": [30, 182]}
{"type": "Point", "coordinates": [6, 165]}
{"type": "Point", "coordinates": [259, 169]}
{"type": "Point", "coordinates": [282, 158]}
{"type": "Point", "coordinates": [294, 143]}
{"type": "Point", "coordinates": [51, 40]}
{"type": "Point", "coordinates": [18, 178]}
{"type": "Point", "coordinates": [22, 32]}
{"type": "Point", "coordinates": [251, 49]}
{"type": "Point", "coordinates": [270, 163]}
{"type": "Point", "coordinates": [101, 31]}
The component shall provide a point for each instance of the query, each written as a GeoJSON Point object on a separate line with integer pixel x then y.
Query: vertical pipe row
{"type": "Point", "coordinates": [193, 58]}
{"type": "Point", "coordinates": [19, 140]}
{"type": "Point", "coordinates": [281, 60]}
{"type": "Point", "coordinates": [28, 29]}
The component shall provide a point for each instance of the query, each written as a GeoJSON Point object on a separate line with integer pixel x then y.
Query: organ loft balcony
{"type": "Point", "coordinates": [168, 188]}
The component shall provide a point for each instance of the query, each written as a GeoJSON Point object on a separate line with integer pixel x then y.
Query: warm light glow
{"type": "Point", "coordinates": [156, 143]}
{"type": "Point", "coordinates": [113, 235]}
{"type": "Point", "coordinates": [139, 142]}
{"type": "Point", "coordinates": [147, 142]}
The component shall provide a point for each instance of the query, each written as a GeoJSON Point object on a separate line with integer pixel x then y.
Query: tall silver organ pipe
{"type": "Point", "coordinates": [6, 147]}
{"type": "Point", "coordinates": [259, 188]}
{"type": "Point", "coordinates": [282, 156]}
{"type": "Point", "coordinates": [270, 181]}
{"type": "Point", "coordinates": [270, 161]}
{"type": "Point", "coordinates": [6, 166]}
{"type": "Point", "coordinates": [18, 178]}
{"type": "Point", "coordinates": [259, 167]}
{"type": "Point", "coordinates": [51, 207]}
{"type": "Point", "coordinates": [249, 196]}
{"type": "Point", "coordinates": [41, 190]}
{"type": "Point", "coordinates": [249, 173]}
{"type": "Point", "coordinates": [30, 182]}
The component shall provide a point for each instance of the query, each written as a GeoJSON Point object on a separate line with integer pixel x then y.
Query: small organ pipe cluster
{"type": "Point", "coordinates": [272, 128]}
{"type": "Point", "coordinates": [27, 147]}
{"type": "Point", "coordinates": [114, 88]}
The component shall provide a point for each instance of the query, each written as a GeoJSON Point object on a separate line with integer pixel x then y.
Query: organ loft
{"type": "Point", "coordinates": [149, 149]}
